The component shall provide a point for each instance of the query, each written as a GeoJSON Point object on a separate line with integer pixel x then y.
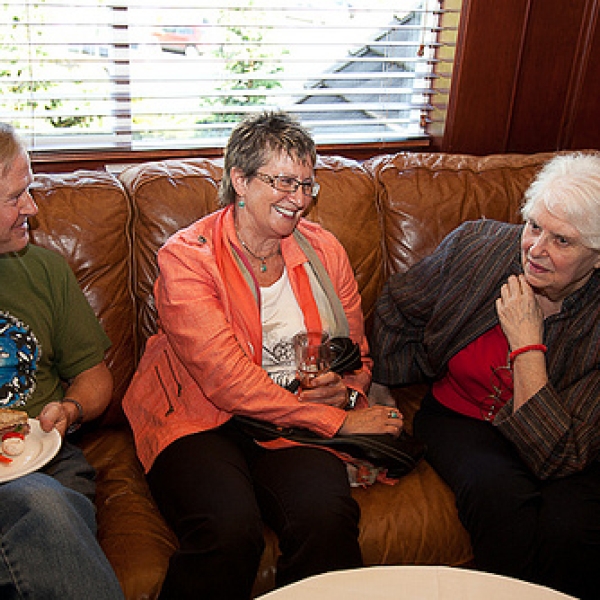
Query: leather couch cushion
{"type": "Point", "coordinates": [168, 196]}
{"type": "Point", "coordinates": [131, 530]}
{"type": "Point", "coordinates": [85, 217]}
{"type": "Point", "coordinates": [346, 206]}
{"type": "Point", "coordinates": [424, 196]}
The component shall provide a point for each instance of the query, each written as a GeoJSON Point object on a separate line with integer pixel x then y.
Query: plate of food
{"type": "Point", "coordinates": [25, 447]}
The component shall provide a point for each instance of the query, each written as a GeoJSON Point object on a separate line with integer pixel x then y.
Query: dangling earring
{"type": "Point", "coordinates": [241, 204]}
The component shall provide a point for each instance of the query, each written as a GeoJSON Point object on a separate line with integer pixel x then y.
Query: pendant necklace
{"type": "Point", "coordinates": [263, 259]}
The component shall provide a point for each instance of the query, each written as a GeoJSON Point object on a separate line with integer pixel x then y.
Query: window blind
{"type": "Point", "coordinates": [119, 74]}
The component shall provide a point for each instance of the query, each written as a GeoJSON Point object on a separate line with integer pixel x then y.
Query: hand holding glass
{"type": "Point", "coordinates": [313, 355]}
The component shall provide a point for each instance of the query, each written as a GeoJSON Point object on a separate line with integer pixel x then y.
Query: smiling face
{"type": "Point", "coordinates": [268, 215]}
{"type": "Point", "coordinates": [555, 261]}
{"type": "Point", "coordinates": [16, 205]}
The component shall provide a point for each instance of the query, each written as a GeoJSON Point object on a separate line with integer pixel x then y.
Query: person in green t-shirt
{"type": "Point", "coordinates": [52, 366]}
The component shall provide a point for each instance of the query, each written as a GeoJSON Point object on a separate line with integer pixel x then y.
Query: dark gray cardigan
{"type": "Point", "coordinates": [425, 316]}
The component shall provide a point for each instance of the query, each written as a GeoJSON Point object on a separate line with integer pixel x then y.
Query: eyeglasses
{"type": "Point", "coordinates": [501, 381]}
{"type": "Point", "coordinates": [286, 183]}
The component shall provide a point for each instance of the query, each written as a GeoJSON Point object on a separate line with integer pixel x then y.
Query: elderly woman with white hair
{"type": "Point", "coordinates": [504, 322]}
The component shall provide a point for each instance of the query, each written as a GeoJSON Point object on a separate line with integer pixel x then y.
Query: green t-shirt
{"type": "Point", "coordinates": [48, 331]}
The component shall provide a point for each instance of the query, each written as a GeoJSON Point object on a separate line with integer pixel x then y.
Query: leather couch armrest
{"type": "Point", "coordinates": [131, 531]}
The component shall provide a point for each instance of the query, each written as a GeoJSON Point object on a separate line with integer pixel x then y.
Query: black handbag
{"type": "Point", "coordinates": [398, 455]}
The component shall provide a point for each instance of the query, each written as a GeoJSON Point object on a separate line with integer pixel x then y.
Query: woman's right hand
{"type": "Point", "coordinates": [519, 313]}
{"type": "Point", "coordinates": [376, 419]}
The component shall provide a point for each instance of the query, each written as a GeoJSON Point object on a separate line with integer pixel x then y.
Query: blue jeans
{"type": "Point", "coordinates": [217, 488]}
{"type": "Point", "coordinates": [546, 532]}
{"type": "Point", "coordinates": [48, 546]}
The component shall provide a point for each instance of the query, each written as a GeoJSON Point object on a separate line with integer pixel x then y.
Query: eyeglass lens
{"type": "Point", "coordinates": [284, 183]}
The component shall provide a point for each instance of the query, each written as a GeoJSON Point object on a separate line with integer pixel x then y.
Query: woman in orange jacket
{"type": "Point", "coordinates": [233, 290]}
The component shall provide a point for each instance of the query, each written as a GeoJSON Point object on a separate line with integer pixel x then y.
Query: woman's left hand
{"type": "Point", "coordinates": [327, 388]}
{"type": "Point", "coordinates": [519, 313]}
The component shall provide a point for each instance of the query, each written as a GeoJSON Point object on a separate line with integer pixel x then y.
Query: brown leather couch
{"type": "Point", "coordinates": [388, 213]}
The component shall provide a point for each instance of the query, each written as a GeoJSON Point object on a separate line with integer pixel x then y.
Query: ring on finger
{"type": "Point", "coordinates": [393, 414]}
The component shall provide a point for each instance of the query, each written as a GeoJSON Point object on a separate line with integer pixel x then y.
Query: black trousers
{"type": "Point", "coordinates": [545, 532]}
{"type": "Point", "coordinates": [216, 488]}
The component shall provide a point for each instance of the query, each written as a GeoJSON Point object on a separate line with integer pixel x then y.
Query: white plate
{"type": "Point", "coordinates": [40, 448]}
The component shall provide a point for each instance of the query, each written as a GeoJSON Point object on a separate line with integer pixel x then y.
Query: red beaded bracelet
{"type": "Point", "coordinates": [515, 353]}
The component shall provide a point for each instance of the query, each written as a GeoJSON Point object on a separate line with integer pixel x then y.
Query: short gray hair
{"type": "Point", "coordinates": [570, 185]}
{"type": "Point", "coordinates": [11, 146]}
{"type": "Point", "coordinates": [256, 139]}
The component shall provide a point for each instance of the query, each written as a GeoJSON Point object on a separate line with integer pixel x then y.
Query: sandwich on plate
{"type": "Point", "coordinates": [14, 426]}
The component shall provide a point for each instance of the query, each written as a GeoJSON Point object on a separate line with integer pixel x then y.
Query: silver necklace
{"type": "Point", "coordinates": [263, 259]}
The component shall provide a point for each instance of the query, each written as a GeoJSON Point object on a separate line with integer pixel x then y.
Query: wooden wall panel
{"type": "Point", "coordinates": [526, 77]}
{"type": "Point", "coordinates": [582, 126]}
{"type": "Point", "coordinates": [549, 59]}
{"type": "Point", "coordinates": [483, 80]}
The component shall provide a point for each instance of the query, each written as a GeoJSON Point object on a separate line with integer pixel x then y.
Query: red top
{"type": "Point", "coordinates": [479, 380]}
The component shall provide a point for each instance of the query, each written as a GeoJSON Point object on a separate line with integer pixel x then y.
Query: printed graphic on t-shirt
{"type": "Point", "coordinates": [278, 359]}
{"type": "Point", "coordinates": [19, 354]}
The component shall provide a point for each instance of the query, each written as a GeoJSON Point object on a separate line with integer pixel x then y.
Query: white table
{"type": "Point", "coordinates": [412, 583]}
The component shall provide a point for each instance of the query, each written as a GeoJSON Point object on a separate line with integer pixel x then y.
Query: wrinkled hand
{"type": "Point", "coordinates": [327, 388]}
{"type": "Point", "coordinates": [519, 313]}
{"type": "Point", "coordinates": [54, 415]}
{"type": "Point", "coordinates": [375, 419]}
